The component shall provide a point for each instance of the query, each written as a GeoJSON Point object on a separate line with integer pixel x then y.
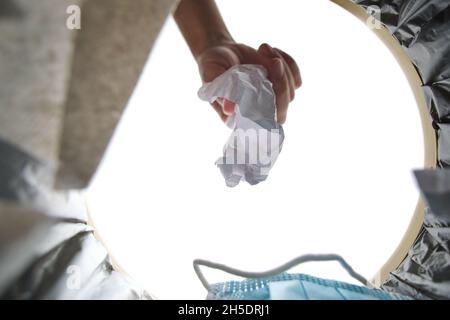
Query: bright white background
{"type": "Point", "coordinates": [342, 183]}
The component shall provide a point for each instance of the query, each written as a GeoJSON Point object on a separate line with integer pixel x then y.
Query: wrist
{"type": "Point", "coordinates": [216, 39]}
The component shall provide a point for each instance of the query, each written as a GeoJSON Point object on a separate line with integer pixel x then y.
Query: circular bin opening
{"type": "Point", "coordinates": [342, 183]}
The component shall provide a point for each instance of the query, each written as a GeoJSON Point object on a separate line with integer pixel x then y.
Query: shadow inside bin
{"type": "Point", "coordinates": [9, 9]}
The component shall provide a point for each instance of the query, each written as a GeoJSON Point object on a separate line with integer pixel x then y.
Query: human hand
{"type": "Point", "coordinates": [282, 70]}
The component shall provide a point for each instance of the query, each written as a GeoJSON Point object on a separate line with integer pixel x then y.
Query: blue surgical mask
{"type": "Point", "coordinates": [276, 284]}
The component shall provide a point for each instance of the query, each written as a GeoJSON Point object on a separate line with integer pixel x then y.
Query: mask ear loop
{"type": "Point", "coordinates": [283, 268]}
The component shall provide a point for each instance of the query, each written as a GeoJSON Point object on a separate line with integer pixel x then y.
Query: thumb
{"type": "Point", "coordinates": [208, 72]}
{"type": "Point", "coordinates": [228, 106]}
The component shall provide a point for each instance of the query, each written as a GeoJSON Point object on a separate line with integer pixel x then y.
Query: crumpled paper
{"type": "Point", "coordinates": [257, 138]}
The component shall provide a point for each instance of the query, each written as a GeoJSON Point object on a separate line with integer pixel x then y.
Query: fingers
{"type": "Point", "coordinates": [293, 67]}
{"type": "Point", "coordinates": [215, 61]}
{"type": "Point", "coordinates": [219, 111]}
{"type": "Point", "coordinates": [281, 88]}
{"type": "Point", "coordinates": [290, 78]}
{"type": "Point", "coordinates": [284, 80]}
{"type": "Point", "coordinates": [227, 106]}
{"type": "Point", "coordinates": [224, 108]}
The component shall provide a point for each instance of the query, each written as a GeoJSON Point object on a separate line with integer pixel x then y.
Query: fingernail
{"type": "Point", "coordinates": [228, 107]}
{"type": "Point", "coordinates": [267, 50]}
{"type": "Point", "coordinates": [264, 49]}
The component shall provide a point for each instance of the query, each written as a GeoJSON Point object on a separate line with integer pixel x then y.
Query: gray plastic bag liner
{"type": "Point", "coordinates": [422, 28]}
{"type": "Point", "coordinates": [47, 249]}
{"type": "Point", "coordinates": [425, 272]}
{"type": "Point", "coordinates": [257, 138]}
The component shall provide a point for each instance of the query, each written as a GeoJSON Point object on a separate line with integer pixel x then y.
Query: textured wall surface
{"type": "Point", "coordinates": [63, 91]}
{"type": "Point", "coordinates": [35, 58]}
{"type": "Point", "coordinates": [111, 49]}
